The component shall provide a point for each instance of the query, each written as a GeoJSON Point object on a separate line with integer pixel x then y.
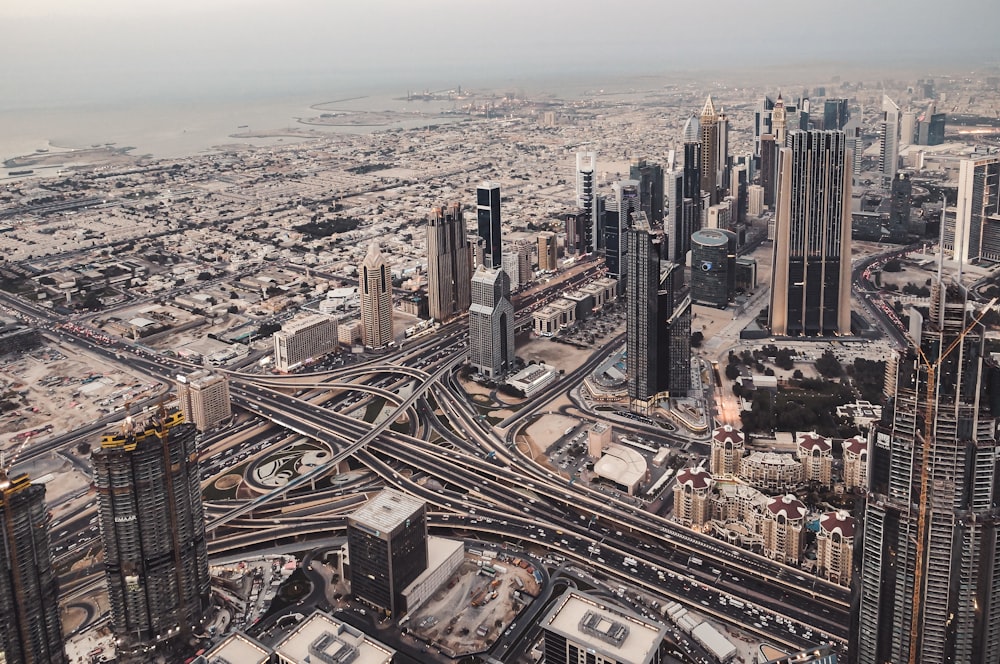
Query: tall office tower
{"type": "Point", "coordinates": [583, 628]}
{"type": "Point", "coordinates": [574, 224]}
{"type": "Point", "coordinates": [204, 399]}
{"type": "Point", "coordinates": [769, 168]}
{"type": "Point", "coordinates": [619, 220]}
{"type": "Point", "coordinates": [907, 128]}
{"type": "Point", "coordinates": [586, 198]}
{"type": "Point", "coordinates": [977, 217]}
{"type": "Point", "coordinates": [548, 251]}
{"type": "Point", "coordinates": [303, 339]}
{"type": "Point", "coordinates": [449, 263]}
{"type": "Point", "coordinates": [692, 130]}
{"type": "Point", "coordinates": [755, 200]}
{"type": "Point", "coordinates": [803, 120]}
{"type": "Point", "coordinates": [722, 163]}
{"type": "Point", "coordinates": [375, 291]}
{"type": "Point", "coordinates": [658, 322]}
{"type": "Point", "coordinates": [888, 156]}
{"type": "Point", "coordinates": [713, 267]}
{"type": "Point", "coordinates": [674, 187]}
{"type": "Point", "coordinates": [687, 212]}
{"type": "Point", "coordinates": [517, 265]}
{"type": "Point", "coordinates": [709, 132]}
{"type": "Point", "coordinates": [30, 630]}
{"type": "Point", "coordinates": [855, 144]}
{"type": "Point", "coordinates": [811, 278]}
{"type": "Point", "coordinates": [935, 129]}
{"type": "Point", "coordinates": [900, 199]}
{"type": "Point", "coordinates": [650, 179]}
{"type": "Point", "coordinates": [761, 122]}
{"type": "Point", "coordinates": [779, 122]}
{"type": "Point", "coordinates": [153, 529]}
{"type": "Point", "coordinates": [737, 188]}
{"type": "Point", "coordinates": [477, 249]}
{"type": "Point", "coordinates": [387, 547]}
{"type": "Point", "coordinates": [930, 578]}
{"type": "Point", "coordinates": [488, 220]}
{"type": "Point", "coordinates": [491, 324]}
{"type": "Point", "coordinates": [835, 113]}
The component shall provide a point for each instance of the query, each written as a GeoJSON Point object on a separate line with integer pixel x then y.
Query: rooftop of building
{"type": "Point", "coordinates": [388, 510]}
{"type": "Point", "coordinates": [300, 323]}
{"type": "Point", "coordinates": [856, 445]}
{"type": "Point", "coordinates": [788, 506]}
{"type": "Point", "coordinates": [839, 521]}
{"type": "Point", "coordinates": [812, 441]}
{"type": "Point", "coordinates": [771, 459]}
{"type": "Point", "coordinates": [611, 631]}
{"type": "Point", "coordinates": [320, 638]}
{"type": "Point", "coordinates": [696, 477]}
{"type": "Point", "coordinates": [622, 465]}
{"type": "Point", "coordinates": [728, 432]}
{"type": "Point", "coordinates": [238, 648]}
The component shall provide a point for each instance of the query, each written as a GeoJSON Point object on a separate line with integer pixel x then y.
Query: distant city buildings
{"type": "Point", "coordinates": [31, 624]}
{"type": "Point", "coordinates": [304, 339]}
{"type": "Point", "coordinates": [375, 293]}
{"type": "Point", "coordinates": [888, 157]}
{"type": "Point", "coordinates": [387, 544]}
{"type": "Point", "coordinates": [810, 281]}
{"type": "Point", "coordinates": [449, 264]}
{"type": "Point", "coordinates": [153, 530]}
{"type": "Point", "coordinates": [491, 324]}
{"type": "Point", "coordinates": [204, 399]}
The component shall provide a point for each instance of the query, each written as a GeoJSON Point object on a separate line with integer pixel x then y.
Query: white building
{"type": "Point", "coordinates": [204, 399]}
{"type": "Point", "coordinates": [304, 339]}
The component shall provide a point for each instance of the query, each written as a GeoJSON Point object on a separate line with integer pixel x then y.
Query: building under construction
{"type": "Point", "coordinates": [930, 581]}
{"type": "Point", "coordinates": [30, 627]}
{"type": "Point", "coordinates": [153, 529]}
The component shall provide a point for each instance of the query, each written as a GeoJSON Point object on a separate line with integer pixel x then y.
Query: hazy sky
{"type": "Point", "coordinates": [77, 51]}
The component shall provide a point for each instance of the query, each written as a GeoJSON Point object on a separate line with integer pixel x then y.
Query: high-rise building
{"type": "Point", "coordinates": [488, 222]}
{"type": "Point", "coordinates": [888, 156]}
{"type": "Point", "coordinates": [658, 322]}
{"type": "Point", "coordinates": [835, 114]}
{"type": "Point", "coordinates": [900, 199]}
{"type": "Point", "coordinates": [761, 122]}
{"type": "Point", "coordinates": [449, 263]}
{"type": "Point", "coordinates": [586, 199]}
{"type": "Point", "coordinates": [31, 628]}
{"type": "Point", "coordinates": [935, 129]}
{"type": "Point", "coordinates": [686, 213]}
{"type": "Point", "coordinates": [722, 158]}
{"type": "Point", "coordinates": [304, 339]}
{"type": "Point", "coordinates": [692, 130]}
{"type": "Point", "coordinates": [548, 251]}
{"type": "Point", "coordinates": [713, 267]}
{"type": "Point", "coordinates": [835, 546]}
{"type": "Point", "coordinates": [709, 134]}
{"type": "Point", "coordinates": [779, 122]}
{"type": "Point", "coordinates": [727, 451]}
{"type": "Point", "coordinates": [769, 169]}
{"type": "Point", "coordinates": [930, 572]}
{"type": "Point", "coordinates": [977, 217]}
{"type": "Point", "coordinates": [577, 224]}
{"type": "Point", "coordinates": [204, 398]}
{"type": "Point", "coordinates": [810, 282]}
{"type": "Point", "coordinates": [620, 211]}
{"type": "Point", "coordinates": [153, 529]}
{"type": "Point", "coordinates": [650, 179]}
{"type": "Point", "coordinates": [583, 628]}
{"type": "Point", "coordinates": [755, 200]}
{"type": "Point", "coordinates": [693, 497]}
{"type": "Point", "coordinates": [375, 291]}
{"type": "Point", "coordinates": [783, 528]}
{"type": "Point", "coordinates": [907, 128]}
{"type": "Point", "coordinates": [517, 265]}
{"type": "Point", "coordinates": [387, 546]}
{"type": "Point", "coordinates": [491, 323]}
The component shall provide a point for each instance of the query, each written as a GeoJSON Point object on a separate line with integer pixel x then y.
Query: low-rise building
{"type": "Point", "coordinates": [771, 472]}
{"type": "Point", "coordinates": [623, 467]}
{"type": "Point", "coordinates": [303, 340]}
{"type": "Point", "coordinates": [533, 378]}
{"type": "Point", "coordinates": [321, 638]}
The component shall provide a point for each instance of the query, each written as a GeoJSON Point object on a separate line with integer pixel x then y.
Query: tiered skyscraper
{"type": "Point", "coordinates": [153, 529]}
{"type": "Point", "coordinates": [30, 627]}
{"type": "Point", "coordinates": [491, 323]}
{"type": "Point", "coordinates": [709, 130]}
{"type": "Point", "coordinates": [658, 321]}
{"type": "Point", "coordinates": [488, 222]}
{"type": "Point", "coordinates": [930, 580]}
{"type": "Point", "coordinates": [811, 279]}
{"type": "Point", "coordinates": [375, 292]}
{"type": "Point", "coordinates": [449, 263]}
{"type": "Point", "coordinates": [586, 199]}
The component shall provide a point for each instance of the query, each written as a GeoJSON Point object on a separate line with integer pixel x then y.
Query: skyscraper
{"type": "Point", "coordinates": [153, 529]}
{"type": "Point", "coordinates": [709, 123]}
{"type": "Point", "coordinates": [930, 580]}
{"type": "Point", "coordinates": [387, 545]}
{"type": "Point", "coordinates": [488, 222]}
{"type": "Point", "coordinates": [901, 197]}
{"type": "Point", "coordinates": [650, 179]}
{"type": "Point", "coordinates": [625, 204]}
{"type": "Point", "coordinates": [686, 211]}
{"type": "Point", "coordinates": [30, 627]}
{"type": "Point", "coordinates": [491, 323]}
{"type": "Point", "coordinates": [577, 225]}
{"type": "Point", "coordinates": [692, 130]}
{"type": "Point", "coordinates": [888, 156]}
{"type": "Point", "coordinates": [779, 122]}
{"type": "Point", "coordinates": [658, 321]}
{"type": "Point", "coordinates": [449, 263]}
{"type": "Point", "coordinates": [303, 339]}
{"type": "Point", "coordinates": [977, 217]}
{"type": "Point", "coordinates": [548, 251]}
{"type": "Point", "coordinates": [722, 158]}
{"type": "Point", "coordinates": [713, 267]}
{"type": "Point", "coordinates": [375, 291]}
{"type": "Point", "coordinates": [586, 198]}
{"type": "Point", "coordinates": [811, 280]}
{"type": "Point", "coordinates": [761, 122]}
{"type": "Point", "coordinates": [204, 398]}
{"type": "Point", "coordinates": [835, 114]}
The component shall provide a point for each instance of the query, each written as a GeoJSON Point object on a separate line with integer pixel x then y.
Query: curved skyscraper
{"type": "Point", "coordinates": [713, 267]}
{"type": "Point", "coordinates": [30, 627]}
{"type": "Point", "coordinates": [153, 529]}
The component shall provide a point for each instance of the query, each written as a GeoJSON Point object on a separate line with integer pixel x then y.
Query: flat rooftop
{"type": "Point", "coordinates": [321, 639]}
{"type": "Point", "coordinates": [388, 510]}
{"type": "Point", "coordinates": [611, 631]}
{"type": "Point", "coordinates": [238, 649]}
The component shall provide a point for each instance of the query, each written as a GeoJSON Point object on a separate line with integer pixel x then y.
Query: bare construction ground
{"type": "Point", "coordinates": [472, 609]}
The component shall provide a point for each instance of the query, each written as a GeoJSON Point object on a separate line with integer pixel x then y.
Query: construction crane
{"type": "Point", "coordinates": [928, 414]}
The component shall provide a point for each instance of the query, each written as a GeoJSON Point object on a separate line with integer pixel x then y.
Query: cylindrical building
{"type": "Point", "coordinates": [713, 267]}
